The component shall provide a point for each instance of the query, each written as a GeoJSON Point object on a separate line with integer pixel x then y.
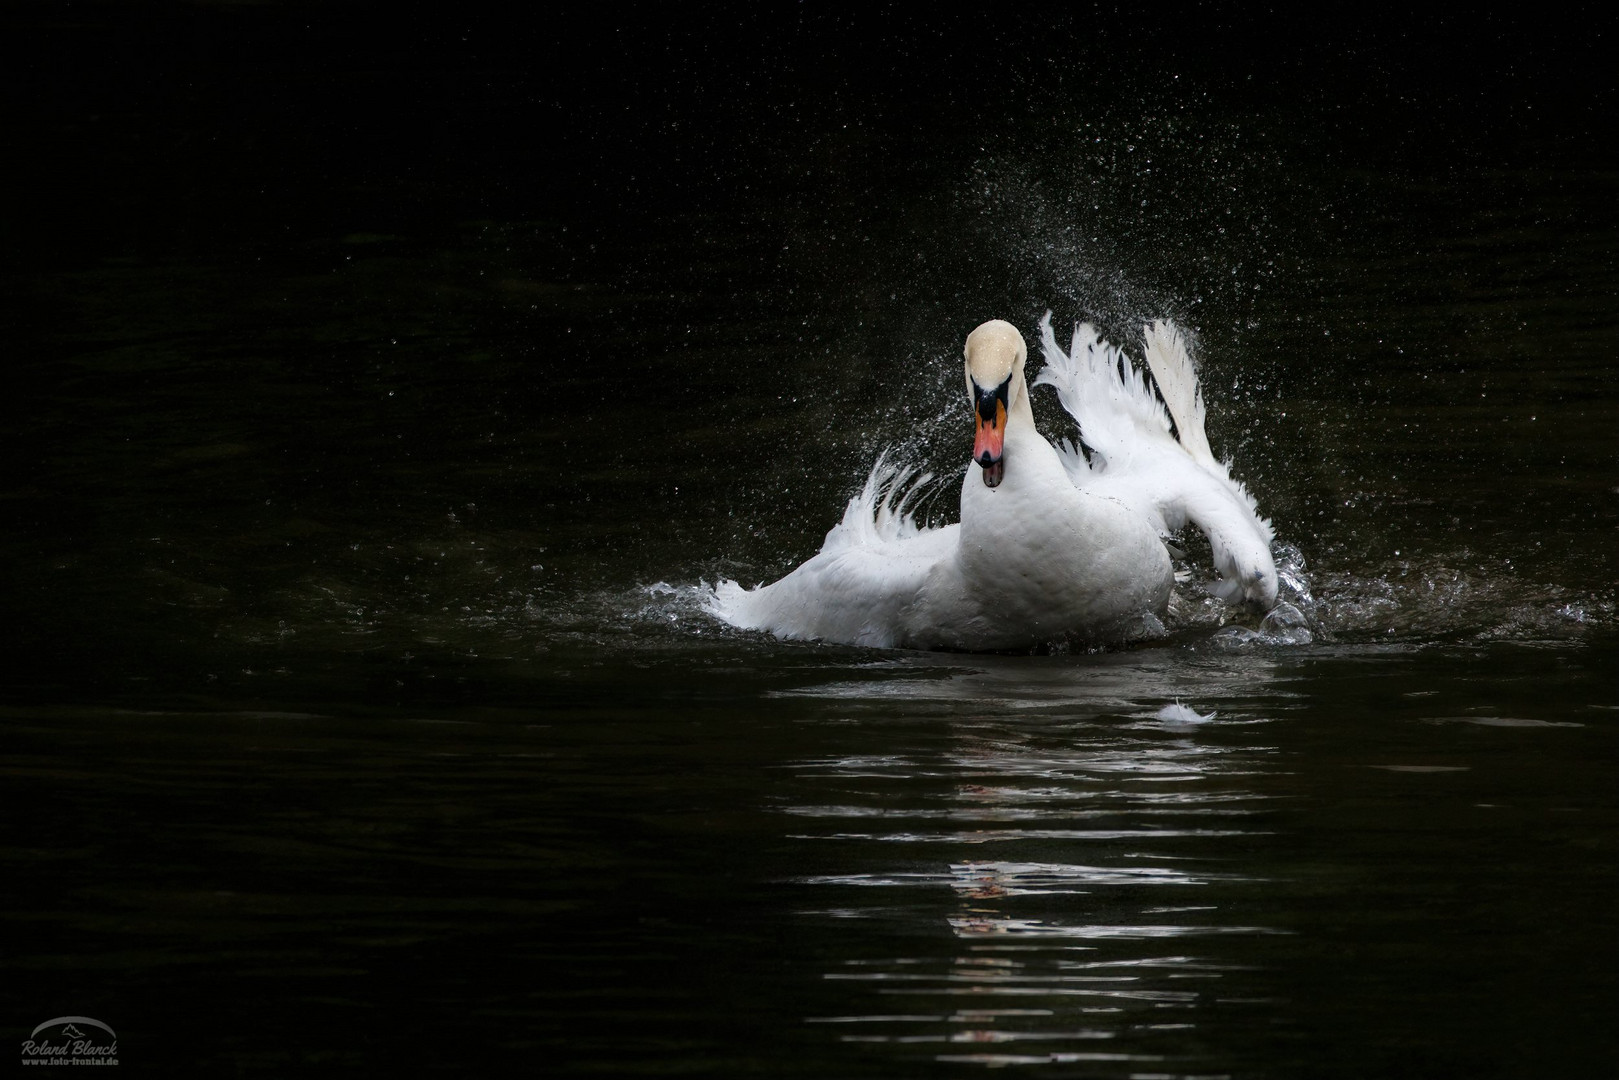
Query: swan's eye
{"type": "Point", "coordinates": [986, 400]}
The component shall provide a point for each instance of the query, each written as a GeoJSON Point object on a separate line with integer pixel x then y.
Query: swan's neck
{"type": "Point", "coordinates": [1019, 413]}
{"type": "Point", "coordinates": [1027, 452]}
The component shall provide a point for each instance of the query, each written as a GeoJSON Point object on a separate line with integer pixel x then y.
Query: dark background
{"type": "Point", "coordinates": [152, 128]}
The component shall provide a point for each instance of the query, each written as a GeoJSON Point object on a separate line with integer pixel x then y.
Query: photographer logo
{"type": "Point", "coordinates": [71, 1040]}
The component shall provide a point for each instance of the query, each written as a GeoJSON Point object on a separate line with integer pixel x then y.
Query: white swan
{"type": "Point", "coordinates": [1050, 544]}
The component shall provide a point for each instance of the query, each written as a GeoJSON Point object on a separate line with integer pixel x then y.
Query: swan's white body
{"type": "Point", "coordinates": [1050, 544]}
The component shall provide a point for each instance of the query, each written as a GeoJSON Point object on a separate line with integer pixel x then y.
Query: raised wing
{"type": "Point", "coordinates": [1167, 474]}
{"type": "Point", "coordinates": [870, 569]}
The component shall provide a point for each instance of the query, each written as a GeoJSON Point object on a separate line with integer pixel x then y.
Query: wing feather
{"type": "Point", "coordinates": [1169, 475]}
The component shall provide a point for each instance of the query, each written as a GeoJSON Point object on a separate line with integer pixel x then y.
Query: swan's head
{"type": "Point", "coordinates": [995, 355]}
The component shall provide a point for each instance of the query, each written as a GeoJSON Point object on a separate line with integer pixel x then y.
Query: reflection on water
{"type": "Point", "coordinates": [692, 858]}
{"type": "Point", "coordinates": [1101, 916]}
{"type": "Point", "coordinates": [1015, 862]}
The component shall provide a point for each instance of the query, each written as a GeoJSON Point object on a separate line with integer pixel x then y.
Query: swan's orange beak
{"type": "Point", "coordinates": [990, 410]}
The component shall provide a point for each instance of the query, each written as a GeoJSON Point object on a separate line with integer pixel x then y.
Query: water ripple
{"type": "Point", "coordinates": [1095, 827]}
{"type": "Point", "coordinates": [1037, 928]}
{"type": "Point", "coordinates": [986, 879]}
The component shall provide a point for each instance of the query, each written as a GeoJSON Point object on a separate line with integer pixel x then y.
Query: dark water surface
{"type": "Point", "coordinates": [384, 391]}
